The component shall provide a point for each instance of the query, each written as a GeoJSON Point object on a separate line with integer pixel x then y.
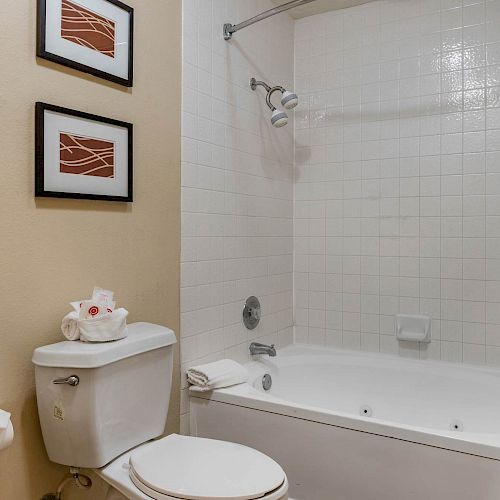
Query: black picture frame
{"type": "Point", "coordinates": [40, 191]}
{"type": "Point", "coordinates": [44, 54]}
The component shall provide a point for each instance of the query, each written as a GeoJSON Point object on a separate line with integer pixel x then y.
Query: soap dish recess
{"type": "Point", "coordinates": [414, 328]}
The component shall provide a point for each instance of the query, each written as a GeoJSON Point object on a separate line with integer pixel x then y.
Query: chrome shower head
{"type": "Point", "coordinates": [279, 118]}
{"type": "Point", "coordinates": [289, 100]}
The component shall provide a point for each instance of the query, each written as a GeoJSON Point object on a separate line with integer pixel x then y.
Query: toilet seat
{"type": "Point", "coordinates": [190, 468]}
{"type": "Point", "coordinates": [279, 494]}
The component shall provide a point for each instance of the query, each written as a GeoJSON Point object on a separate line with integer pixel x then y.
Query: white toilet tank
{"type": "Point", "coordinates": [120, 401]}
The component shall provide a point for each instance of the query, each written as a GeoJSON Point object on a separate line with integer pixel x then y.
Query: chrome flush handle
{"type": "Point", "coordinates": [72, 380]}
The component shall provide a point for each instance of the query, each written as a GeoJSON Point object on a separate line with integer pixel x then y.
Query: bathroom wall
{"type": "Point", "coordinates": [237, 183]}
{"type": "Point", "coordinates": [397, 178]}
{"type": "Point", "coordinates": [54, 251]}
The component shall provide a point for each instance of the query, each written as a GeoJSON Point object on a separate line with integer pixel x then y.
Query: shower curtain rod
{"type": "Point", "coordinates": [229, 28]}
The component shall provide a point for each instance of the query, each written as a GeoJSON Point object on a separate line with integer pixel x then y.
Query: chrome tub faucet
{"type": "Point", "coordinates": [256, 348]}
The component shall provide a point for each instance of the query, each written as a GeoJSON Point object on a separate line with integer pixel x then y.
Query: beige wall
{"type": "Point", "coordinates": [53, 251]}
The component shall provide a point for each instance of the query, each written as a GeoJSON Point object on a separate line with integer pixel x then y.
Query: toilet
{"type": "Point", "coordinates": [102, 406]}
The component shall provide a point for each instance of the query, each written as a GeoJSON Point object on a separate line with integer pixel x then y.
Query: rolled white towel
{"type": "Point", "coordinates": [6, 430]}
{"type": "Point", "coordinates": [69, 326]}
{"type": "Point", "coordinates": [4, 420]}
{"type": "Point", "coordinates": [216, 375]}
{"type": "Point", "coordinates": [112, 326]}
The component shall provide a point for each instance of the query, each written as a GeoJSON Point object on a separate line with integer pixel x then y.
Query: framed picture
{"type": "Point", "coordinates": [83, 156]}
{"type": "Point", "coordinates": [94, 36]}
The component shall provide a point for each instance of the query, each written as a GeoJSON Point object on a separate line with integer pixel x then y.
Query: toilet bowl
{"type": "Point", "coordinates": [189, 468]}
{"type": "Point", "coordinates": [101, 406]}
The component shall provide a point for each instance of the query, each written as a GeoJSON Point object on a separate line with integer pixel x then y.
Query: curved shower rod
{"type": "Point", "coordinates": [229, 28]}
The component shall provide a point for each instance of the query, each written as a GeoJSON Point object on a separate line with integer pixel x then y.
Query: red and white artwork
{"type": "Point", "coordinates": [84, 27]}
{"type": "Point", "coordinates": [86, 156]}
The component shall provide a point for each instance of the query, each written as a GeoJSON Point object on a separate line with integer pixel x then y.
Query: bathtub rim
{"type": "Point", "coordinates": [484, 445]}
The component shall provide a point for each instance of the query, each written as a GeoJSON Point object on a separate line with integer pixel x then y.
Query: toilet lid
{"type": "Point", "coordinates": [202, 469]}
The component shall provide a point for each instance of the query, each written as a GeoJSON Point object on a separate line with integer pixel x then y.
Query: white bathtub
{"type": "Point", "coordinates": [433, 433]}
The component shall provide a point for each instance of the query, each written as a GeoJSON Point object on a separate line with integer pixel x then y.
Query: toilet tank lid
{"type": "Point", "coordinates": [142, 337]}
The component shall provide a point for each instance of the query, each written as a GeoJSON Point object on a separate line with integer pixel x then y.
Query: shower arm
{"type": "Point", "coordinates": [270, 91]}
{"type": "Point", "coordinates": [229, 28]}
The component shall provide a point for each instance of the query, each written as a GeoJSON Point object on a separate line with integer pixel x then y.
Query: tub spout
{"type": "Point", "coordinates": [256, 348]}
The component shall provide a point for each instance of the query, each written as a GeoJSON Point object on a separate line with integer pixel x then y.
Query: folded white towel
{"type": "Point", "coordinates": [112, 326]}
{"type": "Point", "coordinates": [69, 326]}
{"type": "Point", "coordinates": [215, 375]}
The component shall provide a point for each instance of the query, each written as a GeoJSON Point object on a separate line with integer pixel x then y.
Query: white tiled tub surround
{"type": "Point", "coordinates": [397, 179]}
{"type": "Point", "coordinates": [237, 184]}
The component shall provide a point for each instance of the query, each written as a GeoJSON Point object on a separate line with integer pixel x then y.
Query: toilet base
{"type": "Point", "coordinates": [114, 495]}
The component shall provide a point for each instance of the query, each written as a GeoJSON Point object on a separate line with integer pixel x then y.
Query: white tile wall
{"type": "Point", "coordinates": [397, 176]}
{"type": "Point", "coordinates": [397, 179]}
{"type": "Point", "coordinates": [237, 184]}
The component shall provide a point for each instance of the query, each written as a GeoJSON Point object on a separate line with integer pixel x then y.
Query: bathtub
{"type": "Point", "coordinates": [360, 426]}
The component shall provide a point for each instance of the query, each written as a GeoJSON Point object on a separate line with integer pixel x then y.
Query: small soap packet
{"type": "Point", "coordinates": [77, 305]}
{"type": "Point", "coordinates": [100, 305]}
{"type": "Point", "coordinates": [93, 309]}
{"type": "Point", "coordinates": [102, 295]}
